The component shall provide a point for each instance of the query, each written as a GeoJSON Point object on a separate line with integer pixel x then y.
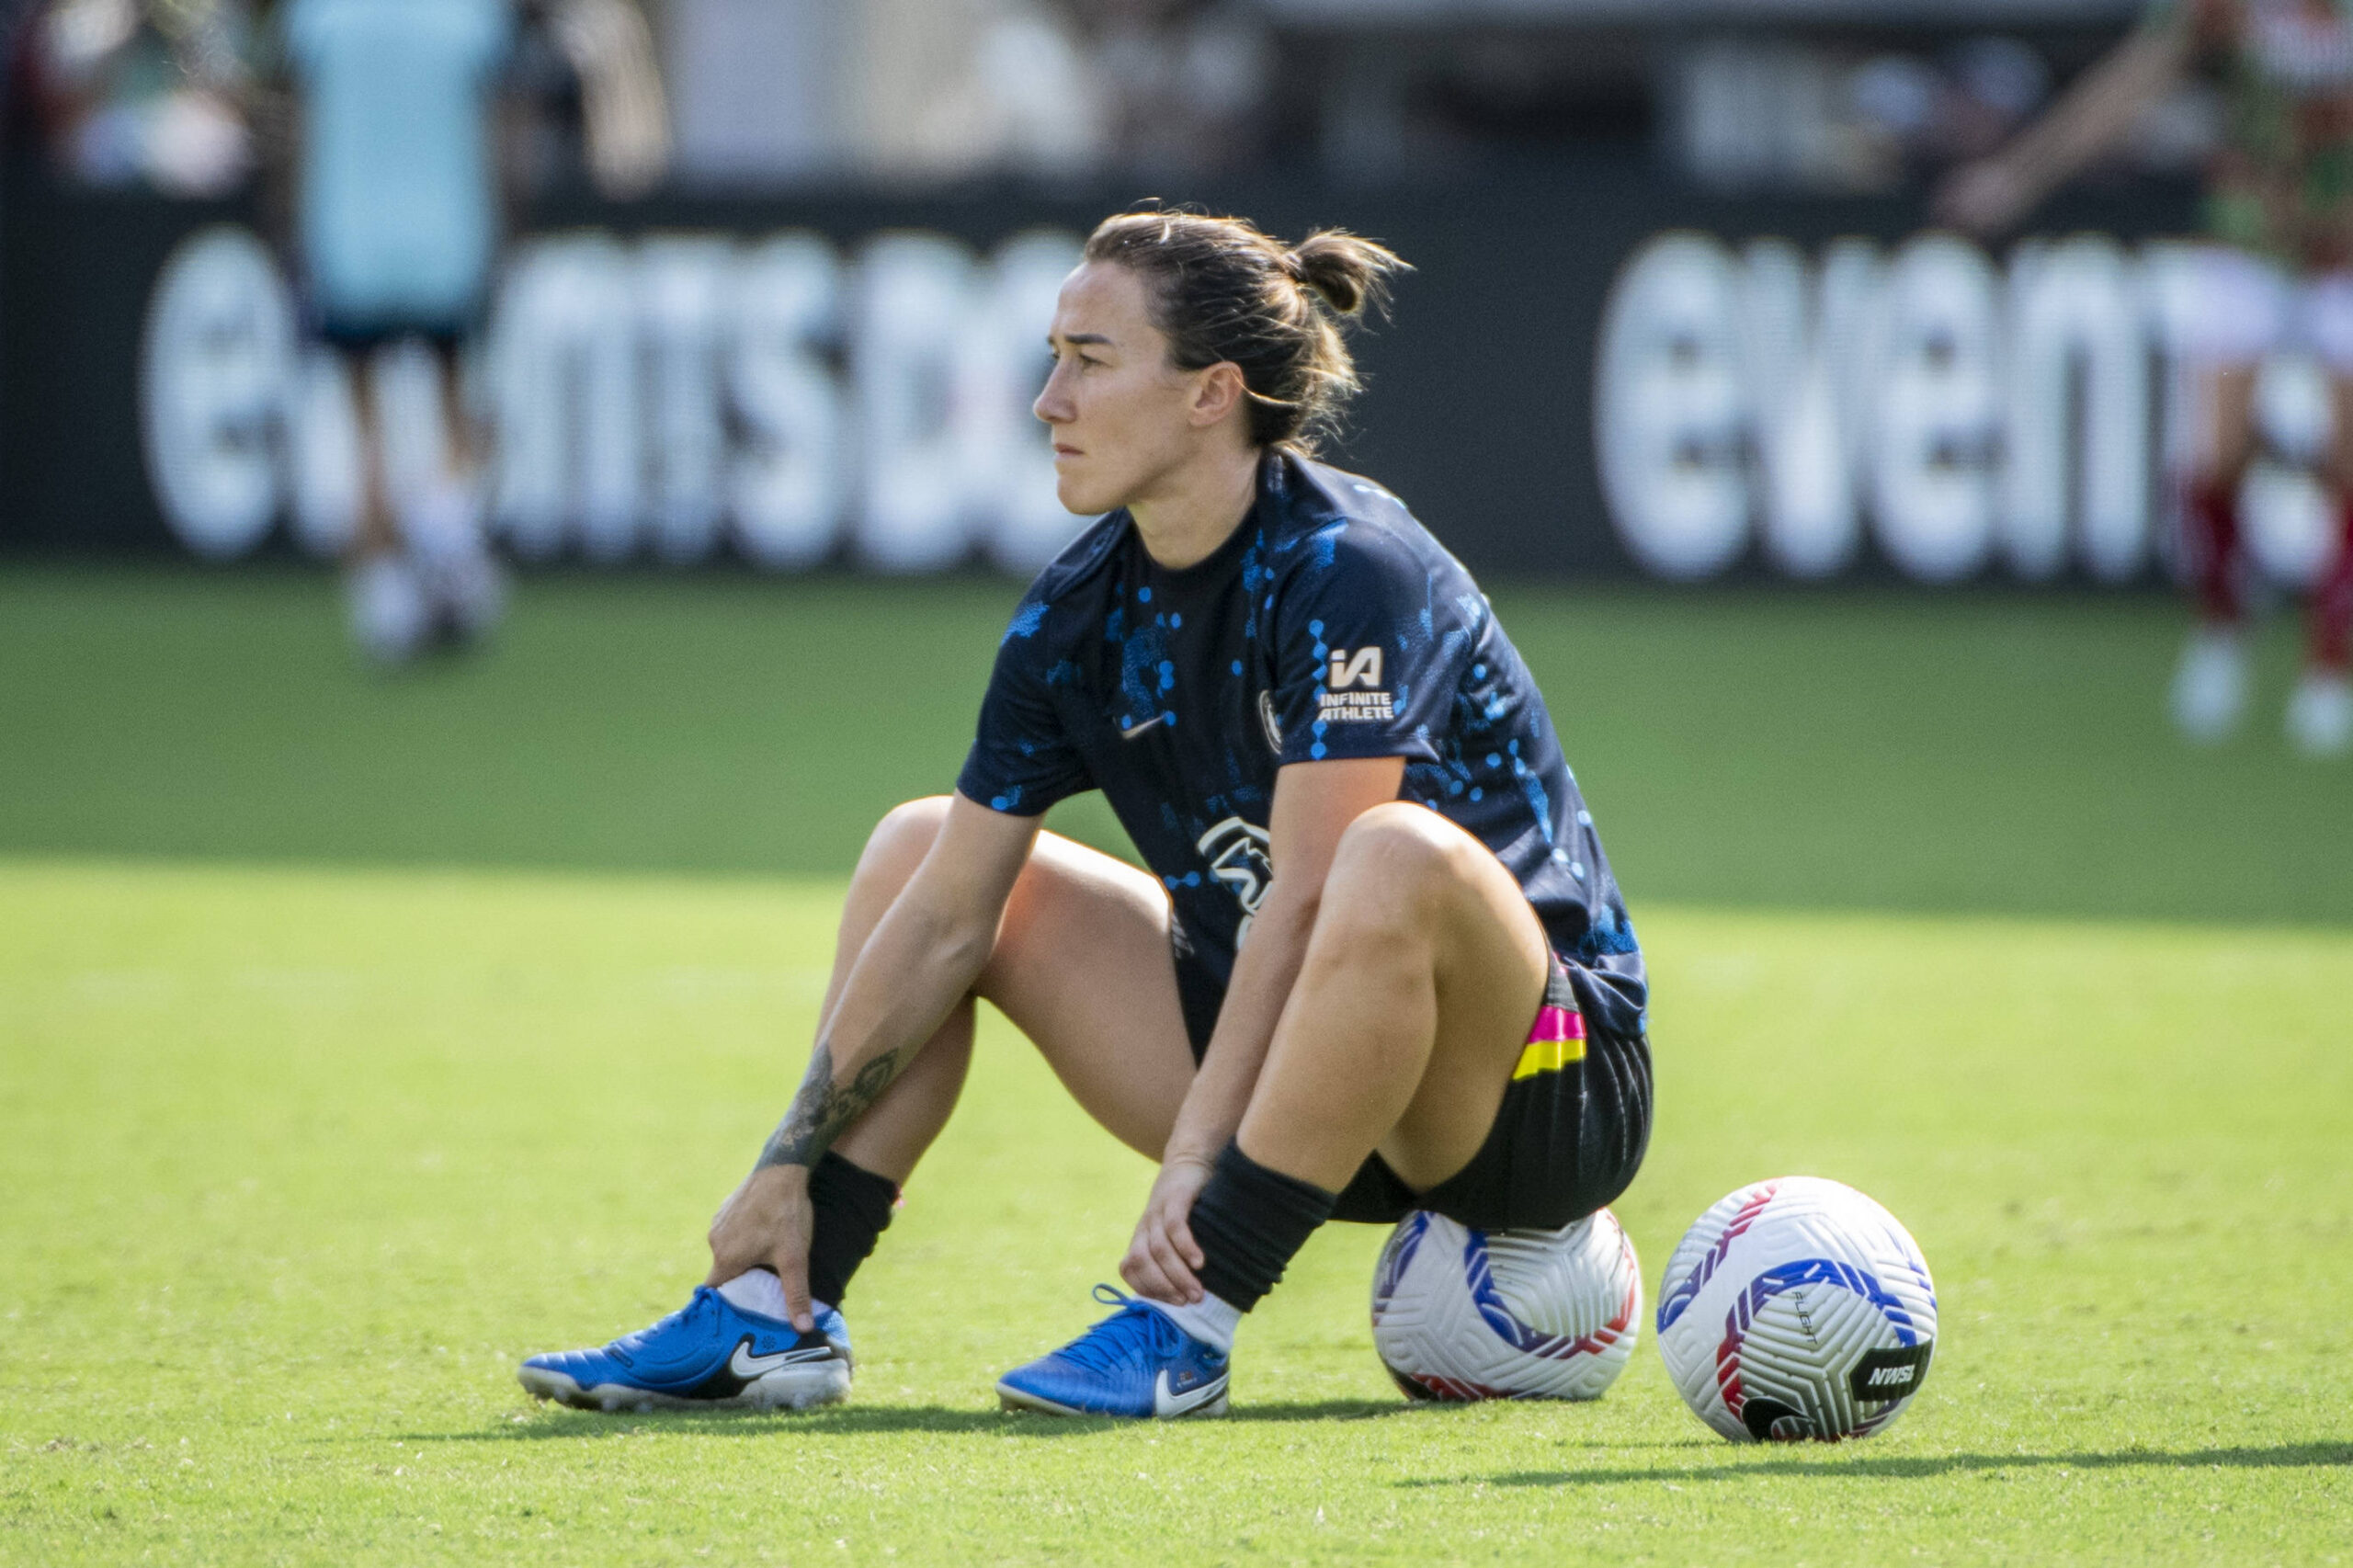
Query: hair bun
{"type": "Point", "coordinates": [1223, 291]}
{"type": "Point", "coordinates": [1346, 273]}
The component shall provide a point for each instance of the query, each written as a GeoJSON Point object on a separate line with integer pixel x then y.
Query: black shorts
{"type": "Point", "coordinates": [444, 336]}
{"type": "Point", "coordinates": [364, 331]}
{"type": "Point", "coordinates": [1568, 1138]}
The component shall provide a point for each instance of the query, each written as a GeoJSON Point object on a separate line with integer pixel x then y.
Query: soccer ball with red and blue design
{"type": "Point", "coordinates": [1460, 1314]}
{"type": "Point", "coordinates": [1797, 1308]}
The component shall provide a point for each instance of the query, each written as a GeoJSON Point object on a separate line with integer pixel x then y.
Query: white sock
{"type": "Point", "coordinates": [757, 1290]}
{"type": "Point", "coordinates": [1210, 1320]}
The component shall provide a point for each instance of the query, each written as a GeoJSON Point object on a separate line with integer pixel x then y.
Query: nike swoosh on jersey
{"type": "Point", "coordinates": [1133, 731]}
{"type": "Point", "coordinates": [1165, 1403]}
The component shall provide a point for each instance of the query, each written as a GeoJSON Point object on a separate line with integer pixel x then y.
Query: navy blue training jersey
{"type": "Point", "coordinates": [1331, 624]}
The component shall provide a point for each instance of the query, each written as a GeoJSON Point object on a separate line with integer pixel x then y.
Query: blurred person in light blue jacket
{"type": "Point", "coordinates": [397, 220]}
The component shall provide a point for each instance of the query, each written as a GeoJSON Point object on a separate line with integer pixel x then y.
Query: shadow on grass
{"type": "Point", "coordinates": [1898, 1467]}
{"type": "Point", "coordinates": [558, 1424]}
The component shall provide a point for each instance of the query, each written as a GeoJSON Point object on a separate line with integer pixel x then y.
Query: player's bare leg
{"type": "Point", "coordinates": [2210, 686]}
{"type": "Point", "coordinates": [2320, 714]}
{"type": "Point", "coordinates": [389, 613]}
{"type": "Point", "coordinates": [462, 452]}
{"type": "Point", "coordinates": [1423, 971]}
{"type": "Point", "coordinates": [1081, 967]}
{"type": "Point", "coordinates": [1410, 1012]}
{"type": "Point", "coordinates": [441, 519]}
{"type": "Point", "coordinates": [374, 532]}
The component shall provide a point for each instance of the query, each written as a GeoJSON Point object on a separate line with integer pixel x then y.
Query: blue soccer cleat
{"type": "Point", "coordinates": [1136, 1362]}
{"type": "Point", "coordinates": [708, 1354]}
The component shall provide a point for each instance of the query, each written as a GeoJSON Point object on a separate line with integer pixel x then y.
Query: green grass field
{"type": "Point", "coordinates": [359, 1037]}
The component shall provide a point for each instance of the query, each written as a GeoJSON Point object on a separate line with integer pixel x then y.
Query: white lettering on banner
{"type": "Point", "coordinates": [2073, 324]}
{"type": "Point", "coordinates": [1007, 363]}
{"type": "Point", "coordinates": [564, 377]}
{"type": "Point", "coordinates": [1962, 414]}
{"type": "Point", "coordinates": [2290, 527]}
{"type": "Point", "coordinates": [683, 284]}
{"type": "Point", "coordinates": [217, 355]}
{"type": "Point", "coordinates": [1670, 411]}
{"type": "Point", "coordinates": [322, 454]}
{"type": "Point", "coordinates": [1801, 347]}
{"type": "Point", "coordinates": [416, 437]}
{"type": "Point", "coordinates": [786, 485]}
{"type": "Point", "coordinates": [1934, 434]}
{"type": "Point", "coordinates": [682, 391]}
{"type": "Point", "coordinates": [907, 373]}
{"type": "Point", "coordinates": [671, 392]}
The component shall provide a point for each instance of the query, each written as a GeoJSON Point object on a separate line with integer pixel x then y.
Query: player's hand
{"type": "Point", "coordinates": [1983, 199]}
{"type": "Point", "coordinates": [1161, 1258]}
{"type": "Point", "coordinates": [766, 1223]}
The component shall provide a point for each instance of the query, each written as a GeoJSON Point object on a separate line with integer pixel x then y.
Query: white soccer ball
{"type": "Point", "coordinates": [1460, 1314]}
{"type": "Point", "coordinates": [1795, 1309]}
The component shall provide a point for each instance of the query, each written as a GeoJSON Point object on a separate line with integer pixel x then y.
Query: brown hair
{"type": "Point", "coordinates": [1223, 291]}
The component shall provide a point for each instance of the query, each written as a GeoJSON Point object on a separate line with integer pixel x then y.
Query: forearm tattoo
{"type": "Point", "coordinates": [823, 1110]}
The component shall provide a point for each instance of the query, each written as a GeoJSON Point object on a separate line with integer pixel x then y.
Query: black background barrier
{"type": "Point", "coordinates": [1478, 411]}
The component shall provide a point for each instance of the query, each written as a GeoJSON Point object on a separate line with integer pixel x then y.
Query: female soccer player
{"type": "Point", "coordinates": [1378, 963]}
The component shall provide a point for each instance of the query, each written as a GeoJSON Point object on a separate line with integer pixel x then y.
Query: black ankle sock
{"type": "Point", "coordinates": [852, 1210]}
{"type": "Point", "coordinates": [1250, 1222]}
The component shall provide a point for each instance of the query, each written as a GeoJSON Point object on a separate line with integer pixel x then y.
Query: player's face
{"type": "Point", "coordinates": [1123, 418]}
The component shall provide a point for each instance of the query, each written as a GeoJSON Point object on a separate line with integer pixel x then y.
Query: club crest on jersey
{"type": "Point", "coordinates": [1353, 693]}
{"type": "Point", "coordinates": [1237, 852]}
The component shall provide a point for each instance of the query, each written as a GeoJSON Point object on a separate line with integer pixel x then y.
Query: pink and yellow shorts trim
{"type": "Point", "coordinates": [1555, 1040]}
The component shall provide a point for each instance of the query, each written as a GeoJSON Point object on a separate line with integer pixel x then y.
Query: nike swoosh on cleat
{"type": "Point", "coordinates": [1133, 731]}
{"type": "Point", "coordinates": [1165, 1403]}
{"type": "Point", "coordinates": [745, 1365]}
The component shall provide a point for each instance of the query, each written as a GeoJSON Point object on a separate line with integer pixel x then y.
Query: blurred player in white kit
{"type": "Point", "coordinates": [396, 228]}
{"type": "Point", "coordinates": [2278, 275]}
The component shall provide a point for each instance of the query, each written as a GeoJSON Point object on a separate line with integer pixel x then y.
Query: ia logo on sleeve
{"type": "Point", "coordinates": [1360, 668]}
{"type": "Point", "coordinates": [1352, 692]}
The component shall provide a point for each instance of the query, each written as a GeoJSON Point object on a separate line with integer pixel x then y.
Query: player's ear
{"type": "Point", "coordinates": [1218, 393]}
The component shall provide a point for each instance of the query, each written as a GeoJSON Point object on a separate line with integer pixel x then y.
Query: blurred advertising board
{"type": "Point", "coordinates": [1591, 371]}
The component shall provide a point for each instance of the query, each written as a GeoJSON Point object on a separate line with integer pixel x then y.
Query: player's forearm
{"type": "Point", "coordinates": [1264, 973]}
{"type": "Point", "coordinates": [919, 962]}
{"type": "Point", "coordinates": [2097, 111]}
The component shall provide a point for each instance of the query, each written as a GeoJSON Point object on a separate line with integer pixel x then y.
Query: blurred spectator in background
{"type": "Point", "coordinates": [397, 225]}
{"type": "Point", "coordinates": [1185, 82]}
{"type": "Point", "coordinates": [142, 92]}
{"type": "Point", "coordinates": [587, 104]}
{"type": "Point", "coordinates": [959, 87]}
{"type": "Point", "coordinates": [1065, 88]}
{"type": "Point", "coordinates": [2278, 275]}
{"type": "Point", "coordinates": [1778, 113]}
{"type": "Point", "coordinates": [398, 157]}
{"type": "Point", "coordinates": [766, 92]}
{"type": "Point", "coordinates": [1925, 113]}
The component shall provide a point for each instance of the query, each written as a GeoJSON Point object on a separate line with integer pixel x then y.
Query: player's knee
{"type": "Point", "coordinates": [911, 824]}
{"type": "Point", "coordinates": [902, 838]}
{"type": "Point", "coordinates": [1392, 867]}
